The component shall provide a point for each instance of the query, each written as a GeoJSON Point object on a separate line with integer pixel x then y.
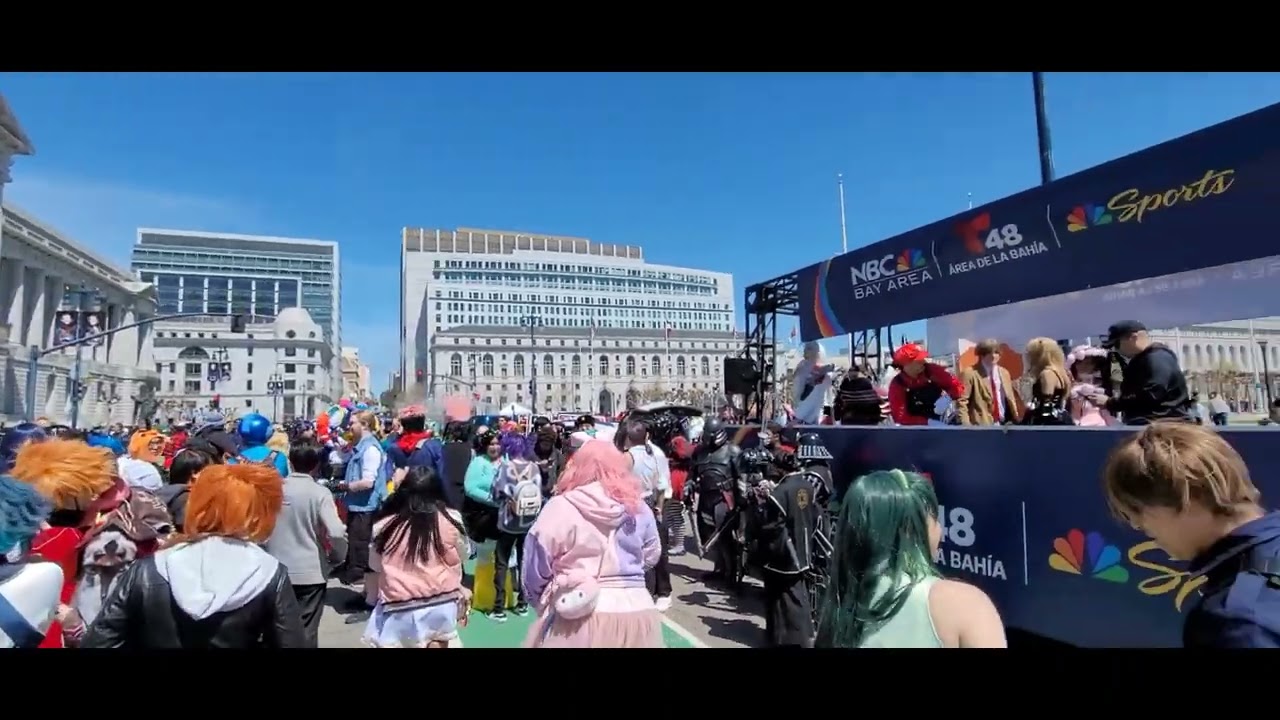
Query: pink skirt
{"type": "Point", "coordinates": [623, 618]}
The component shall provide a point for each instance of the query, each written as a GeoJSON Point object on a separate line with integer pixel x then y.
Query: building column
{"type": "Point", "coordinates": [12, 296]}
{"type": "Point", "coordinates": [33, 329]}
{"type": "Point", "coordinates": [124, 345]}
{"type": "Point", "coordinates": [56, 285]}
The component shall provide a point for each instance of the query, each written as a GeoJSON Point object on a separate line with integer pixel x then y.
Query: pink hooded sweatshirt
{"type": "Point", "coordinates": [567, 543]}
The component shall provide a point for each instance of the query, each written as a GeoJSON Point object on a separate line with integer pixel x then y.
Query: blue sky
{"type": "Point", "coordinates": [732, 172]}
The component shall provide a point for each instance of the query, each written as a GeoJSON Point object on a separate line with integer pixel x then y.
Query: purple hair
{"type": "Point", "coordinates": [514, 445]}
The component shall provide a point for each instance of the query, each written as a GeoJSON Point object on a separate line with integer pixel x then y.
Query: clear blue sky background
{"type": "Point", "coordinates": [732, 172]}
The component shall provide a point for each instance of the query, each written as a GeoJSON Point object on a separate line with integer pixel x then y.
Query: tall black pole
{"type": "Point", "coordinates": [1042, 130]}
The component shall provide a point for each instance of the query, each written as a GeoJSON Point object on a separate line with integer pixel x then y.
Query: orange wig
{"type": "Point", "coordinates": [239, 501]}
{"type": "Point", "coordinates": [147, 446]}
{"type": "Point", "coordinates": [68, 473]}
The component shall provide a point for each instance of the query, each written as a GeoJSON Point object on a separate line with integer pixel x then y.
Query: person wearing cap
{"type": "Point", "coordinates": [915, 390]}
{"type": "Point", "coordinates": [1153, 387]}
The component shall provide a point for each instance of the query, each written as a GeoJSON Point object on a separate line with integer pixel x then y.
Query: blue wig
{"type": "Point", "coordinates": [103, 440]}
{"type": "Point", "coordinates": [515, 446]}
{"type": "Point", "coordinates": [14, 438]}
{"type": "Point", "coordinates": [22, 509]}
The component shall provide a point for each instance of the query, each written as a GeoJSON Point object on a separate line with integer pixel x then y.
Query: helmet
{"type": "Point", "coordinates": [810, 448]}
{"type": "Point", "coordinates": [714, 432]}
{"type": "Point", "coordinates": [254, 429]}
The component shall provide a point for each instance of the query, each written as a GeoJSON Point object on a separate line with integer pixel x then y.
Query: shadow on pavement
{"type": "Point", "coordinates": [343, 599]}
{"type": "Point", "coordinates": [737, 630]}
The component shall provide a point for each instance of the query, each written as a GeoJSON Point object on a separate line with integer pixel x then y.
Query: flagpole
{"type": "Point", "coordinates": [970, 201]}
{"type": "Point", "coordinates": [844, 241]}
{"type": "Point", "coordinates": [591, 365]}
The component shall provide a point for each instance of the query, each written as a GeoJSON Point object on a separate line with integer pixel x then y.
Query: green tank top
{"type": "Point", "coordinates": [912, 625]}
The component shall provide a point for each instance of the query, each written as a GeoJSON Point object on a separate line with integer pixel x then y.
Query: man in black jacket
{"type": "Point", "coordinates": [1154, 387]}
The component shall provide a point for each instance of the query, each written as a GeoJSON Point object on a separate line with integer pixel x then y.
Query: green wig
{"type": "Point", "coordinates": [881, 552]}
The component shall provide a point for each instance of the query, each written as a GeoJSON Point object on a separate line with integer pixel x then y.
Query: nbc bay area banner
{"type": "Point", "coordinates": [1204, 200]}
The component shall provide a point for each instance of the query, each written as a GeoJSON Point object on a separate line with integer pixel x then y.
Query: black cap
{"type": "Point", "coordinates": [1121, 330]}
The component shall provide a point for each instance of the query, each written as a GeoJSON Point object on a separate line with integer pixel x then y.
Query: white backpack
{"type": "Point", "coordinates": [526, 498]}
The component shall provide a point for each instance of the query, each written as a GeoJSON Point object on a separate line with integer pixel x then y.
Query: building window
{"type": "Point", "coordinates": [290, 351]}
{"type": "Point", "coordinates": [290, 368]}
{"type": "Point", "coordinates": [191, 387]}
{"type": "Point", "coordinates": [486, 365]}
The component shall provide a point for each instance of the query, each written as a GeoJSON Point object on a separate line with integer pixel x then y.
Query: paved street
{"type": "Point", "coordinates": [700, 616]}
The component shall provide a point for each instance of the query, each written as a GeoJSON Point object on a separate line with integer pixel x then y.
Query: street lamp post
{"type": "Point", "coordinates": [1266, 373]}
{"type": "Point", "coordinates": [219, 369]}
{"type": "Point", "coordinates": [77, 384]}
{"type": "Point", "coordinates": [533, 322]}
{"type": "Point", "coordinates": [275, 388]}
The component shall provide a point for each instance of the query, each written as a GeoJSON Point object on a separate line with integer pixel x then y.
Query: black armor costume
{"type": "Point", "coordinates": [787, 523]}
{"type": "Point", "coordinates": [713, 477]}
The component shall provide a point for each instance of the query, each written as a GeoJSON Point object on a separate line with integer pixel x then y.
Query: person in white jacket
{"type": "Point", "coordinates": [651, 466]}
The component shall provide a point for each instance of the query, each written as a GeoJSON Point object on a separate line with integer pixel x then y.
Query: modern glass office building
{"type": "Point", "coordinates": [250, 274]}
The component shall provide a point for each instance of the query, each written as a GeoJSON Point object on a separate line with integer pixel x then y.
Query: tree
{"type": "Point", "coordinates": [388, 398]}
{"type": "Point", "coordinates": [634, 396]}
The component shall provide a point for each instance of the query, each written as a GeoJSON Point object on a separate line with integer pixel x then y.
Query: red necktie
{"type": "Point", "coordinates": [995, 398]}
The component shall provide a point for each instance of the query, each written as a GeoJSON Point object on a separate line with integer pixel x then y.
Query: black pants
{"type": "Point", "coordinates": [506, 543]}
{"type": "Point", "coordinates": [658, 578]}
{"type": "Point", "coordinates": [359, 536]}
{"type": "Point", "coordinates": [787, 617]}
{"type": "Point", "coordinates": [311, 604]}
{"type": "Point", "coordinates": [1219, 418]}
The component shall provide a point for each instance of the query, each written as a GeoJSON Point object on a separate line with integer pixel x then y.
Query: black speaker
{"type": "Point", "coordinates": [740, 376]}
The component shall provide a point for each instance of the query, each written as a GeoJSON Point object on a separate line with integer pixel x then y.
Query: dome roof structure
{"type": "Point", "coordinates": [296, 324]}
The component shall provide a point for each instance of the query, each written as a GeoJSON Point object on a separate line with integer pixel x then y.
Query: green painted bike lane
{"type": "Point", "coordinates": [481, 632]}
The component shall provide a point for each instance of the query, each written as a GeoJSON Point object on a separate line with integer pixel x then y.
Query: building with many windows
{"type": "Point", "coordinates": [567, 369]}
{"type": "Point", "coordinates": [1238, 358]}
{"type": "Point", "coordinates": [452, 279]}
{"type": "Point", "coordinates": [278, 367]}
{"type": "Point", "coordinates": [254, 275]}
{"type": "Point", "coordinates": [355, 375]}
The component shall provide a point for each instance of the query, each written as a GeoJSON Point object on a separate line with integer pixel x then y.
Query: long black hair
{"type": "Point", "coordinates": [414, 510]}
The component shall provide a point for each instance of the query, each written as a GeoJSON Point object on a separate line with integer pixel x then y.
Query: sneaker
{"type": "Point", "coordinates": [663, 604]}
{"type": "Point", "coordinates": [521, 609]}
{"type": "Point", "coordinates": [498, 615]}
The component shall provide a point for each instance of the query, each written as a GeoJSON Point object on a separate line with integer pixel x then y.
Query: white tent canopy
{"type": "Point", "coordinates": [515, 410]}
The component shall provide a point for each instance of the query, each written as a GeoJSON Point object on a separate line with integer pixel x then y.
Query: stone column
{"type": "Point", "coordinates": [124, 346]}
{"type": "Point", "coordinates": [56, 286]}
{"type": "Point", "coordinates": [12, 295]}
{"type": "Point", "coordinates": [33, 329]}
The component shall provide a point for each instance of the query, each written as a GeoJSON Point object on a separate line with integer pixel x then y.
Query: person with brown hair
{"type": "Point", "coordinates": [213, 585]}
{"type": "Point", "coordinates": [989, 396]}
{"type": "Point", "coordinates": [1190, 492]}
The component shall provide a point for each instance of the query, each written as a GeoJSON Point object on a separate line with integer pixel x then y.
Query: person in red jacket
{"type": "Point", "coordinates": [915, 390]}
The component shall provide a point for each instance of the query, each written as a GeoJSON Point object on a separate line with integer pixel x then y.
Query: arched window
{"type": "Point", "coordinates": [680, 366]}
{"type": "Point", "coordinates": [455, 365]}
{"type": "Point", "coordinates": [193, 353]}
{"type": "Point", "coordinates": [548, 365]}
{"type": "Point", "coordinates": [604, 364]}
{"type": "Point", "coordinates": [486, 365]}
{"type": "Point", "coordinates": [1186, 356]}
{"type": "Point", "coordinates": [518, 364]}
{"type": "Point", "coordinates": [706, 365]}
{"type": "Point", "coordinates": [577, 365]}
{"type": "Point", "coordinates": [655, 365]}
{"type": "Point", "coordinates": [631, 365]}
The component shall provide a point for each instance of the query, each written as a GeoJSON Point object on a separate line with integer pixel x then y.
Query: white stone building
{"type": "Point", "coordinates": [1227, 357]}
{"type": "Point", "coordinates": [41, 273]}
{"type": "Point", "coordinates": [487, 278]}
{"type": "Point", "coordinates": [290, 350]}
{"type": "Point", "coordinates": [577, 369]}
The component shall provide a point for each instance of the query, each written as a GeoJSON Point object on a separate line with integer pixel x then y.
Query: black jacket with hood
{"type": "Point", "coordinates": [212, 593]}
{"type": "Point", "coordinates": [1153, 388]}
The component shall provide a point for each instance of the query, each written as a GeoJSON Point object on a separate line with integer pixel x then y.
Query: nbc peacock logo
{"type": "Point", "coordinates": [1091, 555]}
{"type": "Point", "coordinates": [911, 260]}
{"type": "Point", "coordinates": [1083, 217]}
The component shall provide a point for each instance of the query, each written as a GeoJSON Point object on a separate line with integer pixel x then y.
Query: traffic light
{"type": "Point", "coordinates": [216, 402]}
{"type": "Point", "coordinates": [237, 323]}
{"type": "Point", "coordinates": [418, 375]}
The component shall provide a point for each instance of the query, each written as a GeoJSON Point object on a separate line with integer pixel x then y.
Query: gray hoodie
{"type": "Point", "coordinates": [308, 517]}
{"type": "Point", "coordinates": [215, 575]}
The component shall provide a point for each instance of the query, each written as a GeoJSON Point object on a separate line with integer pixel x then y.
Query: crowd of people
{"type": "Point", "coordinates": [219, 534]}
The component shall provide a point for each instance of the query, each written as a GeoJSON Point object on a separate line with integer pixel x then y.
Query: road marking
{"type": "Point", "coordinates": [678, 629]}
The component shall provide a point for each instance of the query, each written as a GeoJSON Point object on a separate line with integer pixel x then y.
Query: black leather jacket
{"type": "Point", "coordinates": [140, 613]}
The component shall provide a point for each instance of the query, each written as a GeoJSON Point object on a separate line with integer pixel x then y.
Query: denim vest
{"type": "Point", "coordinates": [366, 500]}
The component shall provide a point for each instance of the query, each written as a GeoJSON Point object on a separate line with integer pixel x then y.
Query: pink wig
{"type": "Point", "coordinates": [600, 462]}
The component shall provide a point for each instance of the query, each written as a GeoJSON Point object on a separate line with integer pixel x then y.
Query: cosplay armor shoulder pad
{"type": "Point", "coordinates": [29, 596]}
